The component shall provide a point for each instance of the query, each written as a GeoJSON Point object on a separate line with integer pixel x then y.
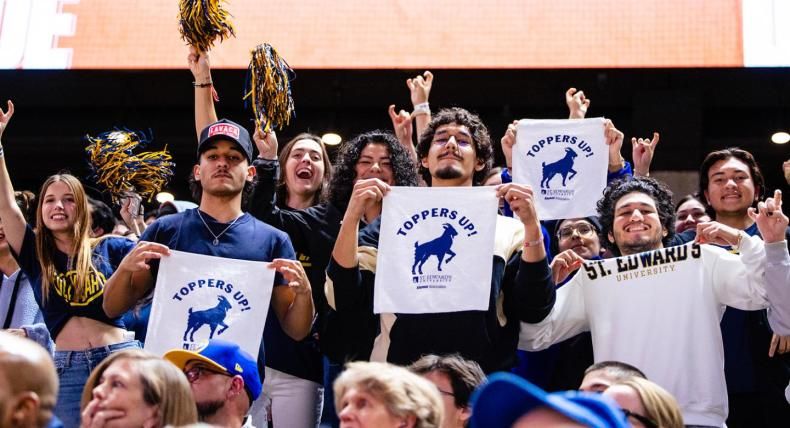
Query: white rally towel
{"type": "Point", "coordinates": [435, 250]}
{"type": "Point", "coordinates": [196, 294]}
{"type": "Point", "coordinates": [565, 162]}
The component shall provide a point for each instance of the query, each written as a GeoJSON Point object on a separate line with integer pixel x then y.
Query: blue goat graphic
{"type": "Point", "coordinates": [213, 317]}
{"type": "Point", "coordinates": [563, 167]}
{"type": "Point", "coordinates": [438, 247]}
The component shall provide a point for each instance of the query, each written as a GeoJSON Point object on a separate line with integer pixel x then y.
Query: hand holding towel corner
{"type": "Point", "coordinates": [198, 297]}
{"type": "Point", "coordinates": [565, 162]}
{"type": "Point", "coordinates": [435, 250]}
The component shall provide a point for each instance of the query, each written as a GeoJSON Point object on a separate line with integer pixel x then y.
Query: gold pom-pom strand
{"type": "Point", "coordinates": [268, 88]}
{"type": "Point", "coordinates": [203, 21]}
{"type": "Point", "coordinates": [118, 170]}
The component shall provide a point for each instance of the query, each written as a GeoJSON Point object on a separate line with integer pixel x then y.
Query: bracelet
{"type": "Point", "coordinates": [1, 150]}
{"type": "Point", "coordinates": [737, 246]}
{"type": "Point", "coordinates": [203, 85]}
{"type": "Point", "coordinates": [535, 243]}
{"type": "Point", "coordinates": [421, 108]}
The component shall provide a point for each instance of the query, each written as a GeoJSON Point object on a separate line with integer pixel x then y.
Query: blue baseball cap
{"type": "Point", "coordinates": [225, 129]}
{"type": "Point", "coordinates": [501, 401]}
{"type": "Point", "coordinates": [225, 357]}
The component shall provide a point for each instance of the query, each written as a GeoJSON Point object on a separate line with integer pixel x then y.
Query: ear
{"type": "Point", "coordinates": [236, 386]}
{"type": "Point", "coordinates": [408, 422]}
{"type": "Point", "coordinates": [153, 420]}
{"type": "Point", "coordinates": [610, 237]}
{"type": "Point", "coordinates": [424, 162]}
{"type": "Point", "coordinates": [465, 414]}
{"type": "Point", "coordinates": [707, 199]}
{"type": "Point", "coordinates": [25, 411]}
{"type": "Point", "coordinates": [251, 171]}
{"type": "Point", "coordinates": [196, 172]}
{"type": "Point", "coordinates": [664, 232]}
{"type": "Point", "coordinates": [480, 165]}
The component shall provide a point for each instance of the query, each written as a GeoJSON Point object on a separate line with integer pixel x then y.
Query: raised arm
{"type": "Point", "coordinates": [577, 103]}
{"type": "Point", "coordinates": [132, 279]}
{"type": "Point", "coordinates": [642, 154]}
{"type": "Point", "coordinates": [13, 221]}
{"type": "Point", "coordinates": [772, 224]}
{"type": "Point", "coordinates": [420, 89]}
{"type": "Point", "coordinates": [204, 89]}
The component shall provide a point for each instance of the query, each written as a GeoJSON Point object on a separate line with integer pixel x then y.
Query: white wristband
{"type": "Point", "coordinates": [422, 108]}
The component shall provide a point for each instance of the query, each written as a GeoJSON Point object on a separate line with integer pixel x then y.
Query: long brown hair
{"type": "Point", "coordinates": [285, 153]}
{"type": "Point", "coordinates": [80, 256]}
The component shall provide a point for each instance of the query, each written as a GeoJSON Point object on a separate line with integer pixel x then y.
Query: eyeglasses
{"type": "Point", "coordinates": [583, 229]}
{"type": "Point", "coordinates": [441, 142]}
{"type": "Point", "coordinates": [196, 372]}
{"type": "Point", "coordinates": [647, 422]}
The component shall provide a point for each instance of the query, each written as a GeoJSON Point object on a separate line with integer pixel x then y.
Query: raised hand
{"type": "Point", "coordinates": [266, 142]}
{"type": "Point", "coordinates": [614, 139]}
{"type": "Point", "coordinates": [199, 65]}
{"type": "Point", "coordinates": [366, 194]}
{"type": "Point", "coordinates": [420, 87]}
{"type": "Point", "coordinates": [404, 129]}
{"type": "Point", "coordinates": [508, 141]}
{"type": "Point", "coordinates": [5, 117]}
{"type": "Point", "coordinates": [135, 260]}
{"type": "Point", "coordinates": [132, 212]}
{"type": "Point", "coordinates": [564, 264]}
{"type": "Point", "coordinates": [642, 151]}
{"type": "Point", "coordinates": [294, 273]}
{"type": "Point", "coordinates": [521, 200]}
{"type": "Point", "coordinates": [786, 170]}
{"type": "Point", "coordinates": [770, 219]}
{"type": "Point", "coordinates": [577, 103]}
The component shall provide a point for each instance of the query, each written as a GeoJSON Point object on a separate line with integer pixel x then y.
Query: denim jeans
{"type": "Point", "coordinates": [73, 368]}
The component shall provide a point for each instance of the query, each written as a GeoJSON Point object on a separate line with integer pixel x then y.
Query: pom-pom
{"type": "Point", "coordinates": [268, 86]}
{"type": "Point", "coordinates": [203, 21]}
{"type": "Point", "coordinates": [118, 170]}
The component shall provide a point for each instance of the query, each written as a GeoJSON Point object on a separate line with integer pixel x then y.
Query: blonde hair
{"type": "Point", "coordinates": [402, 392]}
{"type": "Point", "coordinates": [659, 404]}
{"type": "Point", "coordinates": [82, 244]}
{"type": "Point", "coordinates": [164, 385]}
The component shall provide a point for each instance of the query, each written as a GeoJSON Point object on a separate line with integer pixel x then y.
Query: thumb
{"type": "Point", "coordinates": [752, 213]}
{"type": "Point", "coordinates": [772, 346]}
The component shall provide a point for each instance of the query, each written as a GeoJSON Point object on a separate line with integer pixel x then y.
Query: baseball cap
{"type": "Point", "coordinates": [225, 357]}
{"type": "Point", "coordinates": [501, 401]}
{"type": "Point", "coordinates": [225, 129]}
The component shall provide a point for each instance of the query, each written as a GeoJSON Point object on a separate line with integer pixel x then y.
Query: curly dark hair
{"type": "Point", "coordinates": [725, 154]}
{"type": "Point", "coordinates": [480, 136]}
{"type": "Point", "coordinates": [282, 187]}
{"type": "Point", "coordinates": [344, 175]}
{"type": "Point", "coordinates": [649, 186]}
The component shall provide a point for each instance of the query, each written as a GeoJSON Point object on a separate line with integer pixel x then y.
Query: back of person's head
{"type": "Point", "coordinates": [163, 385]}
{"type": "Point", "coordinates": [404, 393]}
{"type": "Point", "coordinates": [465, 375]}
{"type": "Point", "coordinates": [28, 383]}
{"type": "Point", "coordinates": [660, 406]}
{"type": "Point", "coordinates": [482, 140]}
{"type": "Point", "coordinates": [102, 218]}
{"type": "Point", "coordinates": [651, 187]}
{"type": "Point", "coordinates": [26, 201]}
{"type": "Point", "coordinates": [285, 153]}
{"type": "Point", "coordinates": [344, 175]}
{"type": "Point", "coordinates": [723, 155]}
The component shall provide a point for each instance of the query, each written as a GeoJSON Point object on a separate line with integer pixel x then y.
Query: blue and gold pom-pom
{"type": "Point", "coordinates": [268, 87]}
{"type": "Point", "coordinates": [203, 21]}
{"type": "Point", "coordinates": [115, 167]}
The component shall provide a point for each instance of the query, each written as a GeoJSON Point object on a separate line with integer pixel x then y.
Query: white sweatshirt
{"type": "Point", "coordinates": [660, 311]}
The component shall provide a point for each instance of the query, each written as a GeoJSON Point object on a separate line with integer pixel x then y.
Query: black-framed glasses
{"type": "Point", "coordinates": [196, 372]}
{"type": "Point", "coordinates": [647, 422]}
{"type": "Point", "coordinates": [441, 142]}
{"type": "Point", "coordinates": [583, 229]}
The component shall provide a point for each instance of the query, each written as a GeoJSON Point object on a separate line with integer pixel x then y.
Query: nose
{"type": "Point", "coordinates": [98, 392]}
{"type": "Point", "coordinates": [305, 158]}
{"type": "Point", "coordinates": [730, 183]}
{"type": "Point", "coordinates": [345, 414]}
{"type": "Point", "coordinates": [453, 141]}
{"type": "Point", "coordinates": [689, 219]}
{"type": "Point", "coordinates": [376, 167]}
{"type": "Point", "coordinates": [636, 215]}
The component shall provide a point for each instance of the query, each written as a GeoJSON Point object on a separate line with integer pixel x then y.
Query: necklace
{"type": "Point", "coordinates": [216, 237]}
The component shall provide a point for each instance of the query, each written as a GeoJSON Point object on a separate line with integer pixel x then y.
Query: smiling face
{"type": "Point", "coordinates": [58, 207]}
{"type": "Point", "coordinates": [223, 169]}
{"type": "Point", "coordinates": [120, 389]}
{"type": "Point", "coordinates": [580, 236]}
{"type": "Point", "coordinates": [731, 189]}
{"type": "Point", "coordinates": [637, 226]}
{"type": "Point", "coordinates": [304, 168]}
{"type": "Point", "coordinates": [689, 214]}
{"type": "Point", "coordinates": [374, 162]}
{"type": "Point", "coordinates": [451, 158]}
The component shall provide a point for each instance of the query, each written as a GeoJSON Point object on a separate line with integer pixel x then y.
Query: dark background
{"type": "Point", "coordinates": [695, 110]}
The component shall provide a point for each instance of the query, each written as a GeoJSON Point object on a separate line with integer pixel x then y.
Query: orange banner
{"type": "Point", "coordinates": [388, 33]}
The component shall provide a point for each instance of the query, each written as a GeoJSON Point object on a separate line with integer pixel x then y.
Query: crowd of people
{"type": "Point", "coordinates": [561, 343]}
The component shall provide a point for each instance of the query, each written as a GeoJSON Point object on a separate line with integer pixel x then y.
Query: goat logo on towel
{"type": "Point", "coordinates": [562, 167]}
{"type": "Point", "coordinates": [438, 247]}
{"type": "Point", "coordinates": [214, 317]}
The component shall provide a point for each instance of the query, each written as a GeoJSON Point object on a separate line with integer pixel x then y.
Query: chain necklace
{"type": "Point", "coordinates": [216, 237]}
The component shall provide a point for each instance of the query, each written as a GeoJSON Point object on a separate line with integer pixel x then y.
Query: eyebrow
{"type": "Point", "coordinates": [639, 204]}
{"type": "Point", "coordinates": [460, 131]}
